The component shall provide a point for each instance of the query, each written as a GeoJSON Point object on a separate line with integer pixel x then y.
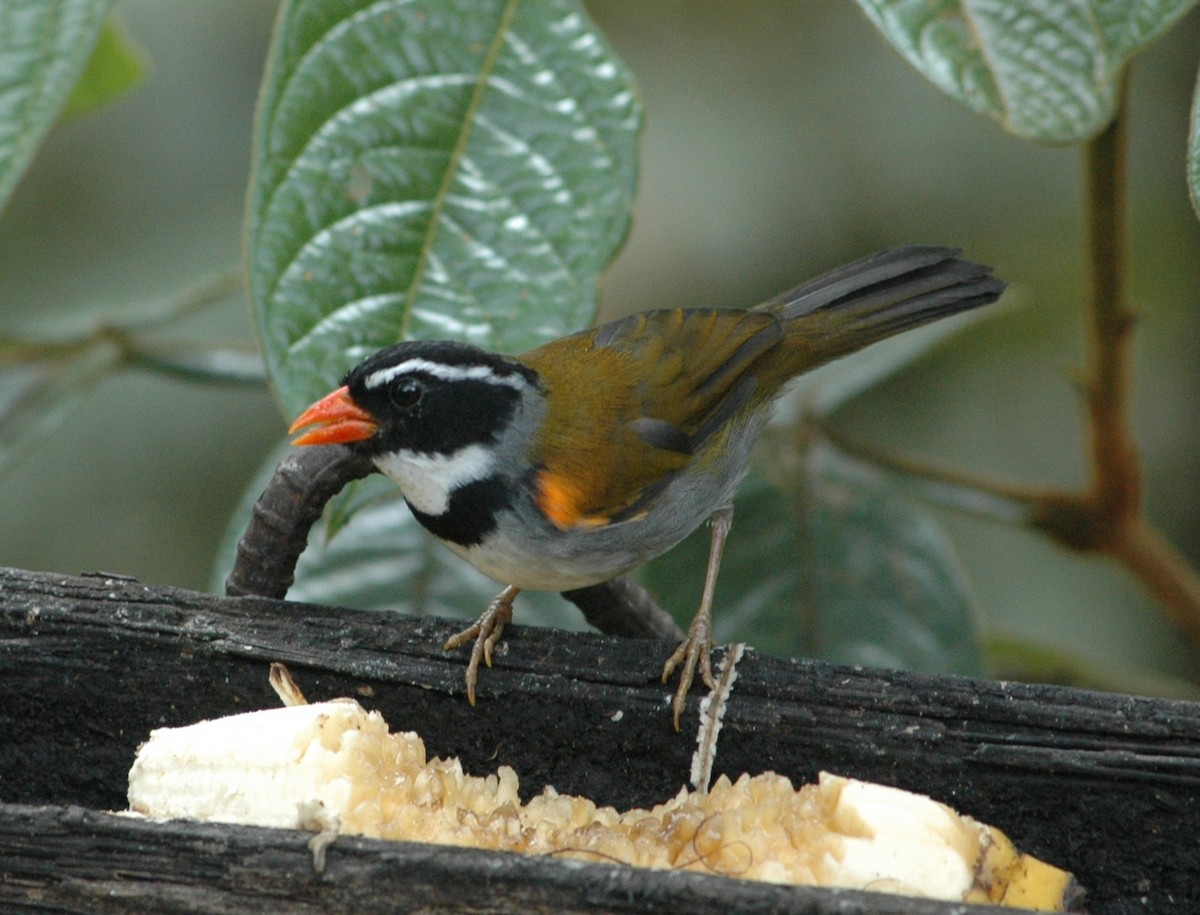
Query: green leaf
{"type": "Point", "coordinates": [843, 568]}
{"type": "Point", "coordinates": [44, 45]}
{"type": "Point", "coordinates": [433, 168]}
{"type": "Point", "coordinates": [1047, 70]}
{"type": "Point", "coordinates": [115, 67]}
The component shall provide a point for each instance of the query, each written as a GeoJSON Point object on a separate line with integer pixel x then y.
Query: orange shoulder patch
{"type": "Point", "coordinates": [561, 500]}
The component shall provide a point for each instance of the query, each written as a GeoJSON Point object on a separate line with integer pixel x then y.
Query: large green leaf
{"type": "Point", "coordinates": [433, 168]}
{"type": "Point", "coordinates": [1047, 70]}
{"type": "Point", "coordinates": [44, 45]}
{"type": "Point", "coordinates": [839, 565]}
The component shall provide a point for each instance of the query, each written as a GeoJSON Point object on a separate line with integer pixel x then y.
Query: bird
{"type": "Point", "coordinates": [584, 458]}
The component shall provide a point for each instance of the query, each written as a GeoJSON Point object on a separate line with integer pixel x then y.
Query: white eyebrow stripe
{"type": "Point", "coordinates": [444, 372]}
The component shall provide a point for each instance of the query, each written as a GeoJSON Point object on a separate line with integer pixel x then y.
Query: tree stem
{"type": "Point", "coordinates": [1115, 484]}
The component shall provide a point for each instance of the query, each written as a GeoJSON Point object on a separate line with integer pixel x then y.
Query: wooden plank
{"type": "Point", "coordinates": [1107, 786]}
{"type": "Point", "coordinates": [85, 861]}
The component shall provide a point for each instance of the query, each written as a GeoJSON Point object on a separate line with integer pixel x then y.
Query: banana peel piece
{"type": "Point", "coordinates": [334, 767]}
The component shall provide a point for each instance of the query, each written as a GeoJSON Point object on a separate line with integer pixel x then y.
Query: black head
{"type": "Point", "coordinates": [437, 397]}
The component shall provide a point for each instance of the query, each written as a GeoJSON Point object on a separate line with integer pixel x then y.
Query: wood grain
{"type": "Point", "coordinates": [1107, 786]}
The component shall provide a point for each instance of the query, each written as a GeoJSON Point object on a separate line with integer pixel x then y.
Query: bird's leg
{"type": "Point", "coordinates": [486, 632]}
{"type": "Point", "coordinates": [698, 643]}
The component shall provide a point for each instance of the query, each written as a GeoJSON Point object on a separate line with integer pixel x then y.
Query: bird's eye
{"type": "Point", "coordinates": [407, 393]}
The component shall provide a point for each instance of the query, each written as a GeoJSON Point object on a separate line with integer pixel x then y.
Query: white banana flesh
{"type": "Point", "coordinates": [335, 766]}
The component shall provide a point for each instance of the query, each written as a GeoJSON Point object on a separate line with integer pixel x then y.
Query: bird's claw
{"type": "Point", "coordinates": [486, 632]}
{"type": "Point", "coordinates": [695, 649]}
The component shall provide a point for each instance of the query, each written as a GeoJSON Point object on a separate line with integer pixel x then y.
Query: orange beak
{"type": "Point", "coordinates": [335, 418]}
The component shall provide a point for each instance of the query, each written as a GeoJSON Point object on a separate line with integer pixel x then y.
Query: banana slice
{"type": "Point", "coordinates": [334, 767]}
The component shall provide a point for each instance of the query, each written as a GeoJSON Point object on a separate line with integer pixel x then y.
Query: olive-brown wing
{"type": "Point", "coordinates": [634, 401]}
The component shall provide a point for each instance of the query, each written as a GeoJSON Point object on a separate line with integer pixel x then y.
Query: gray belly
{"type": "Point", "coordinates": [528, 551]}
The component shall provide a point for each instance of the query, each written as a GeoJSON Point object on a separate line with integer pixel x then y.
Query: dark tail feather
{"type": "Point", "coordinates": [884, 294]}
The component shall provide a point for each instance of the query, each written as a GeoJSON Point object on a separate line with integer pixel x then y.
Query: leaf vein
{"type": "Point", "coordinates": [456, 156]}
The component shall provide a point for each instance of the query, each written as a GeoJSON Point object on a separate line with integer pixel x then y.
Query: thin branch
{"type": "Point", "coordinates": [217, 363]}
{"type": "Point", "coordinates": [1116, 474]}
{"type": "Point", "coordinates": [984, 497]}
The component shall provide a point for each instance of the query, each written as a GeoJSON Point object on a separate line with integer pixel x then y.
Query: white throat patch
{"type": "Point", "coordinates": [428, 479]}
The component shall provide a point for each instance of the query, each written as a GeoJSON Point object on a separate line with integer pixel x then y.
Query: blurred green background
{"type": "Point", "coordinates": [782, 139]}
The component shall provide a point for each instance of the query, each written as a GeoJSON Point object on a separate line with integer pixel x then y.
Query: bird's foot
{"type": "Point", "coordinates": [694, 649]}
{"type": "Point", "coordinates": [486, 632]}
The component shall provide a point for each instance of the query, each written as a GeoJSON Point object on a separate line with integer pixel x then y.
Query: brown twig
{"type": "Point", "coordinates": [1106, 517]}
{"type": "Point", "coordinates": [1116, 472]}
{"type": "Point", "coordinates": [995, 500]}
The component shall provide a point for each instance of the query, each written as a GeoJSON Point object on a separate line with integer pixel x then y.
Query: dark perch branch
{"type": "Point", "coordinates": [1106, 786]}
{"type": "Point", "coordinates": [309, 477]}
{"type": "Point", "coordinates": [290, 505]}
{"type": "Point", "coordinates": [623, 607]}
